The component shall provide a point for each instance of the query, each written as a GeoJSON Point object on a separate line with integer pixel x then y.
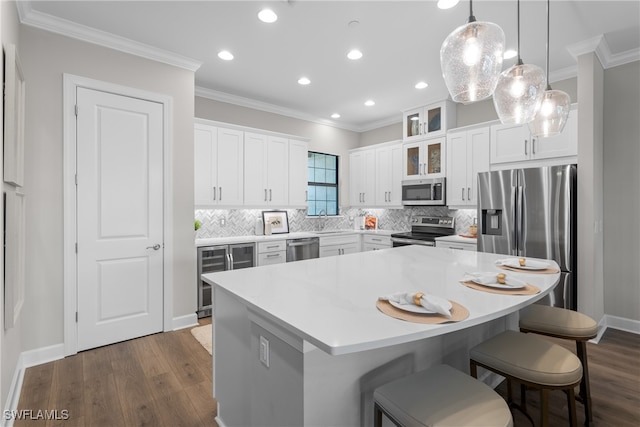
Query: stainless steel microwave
{"type": "Point", "coordinates": [424, 192]}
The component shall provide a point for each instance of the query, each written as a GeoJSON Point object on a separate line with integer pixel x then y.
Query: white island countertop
{"type": "Point", "coordinates": [331, 302]}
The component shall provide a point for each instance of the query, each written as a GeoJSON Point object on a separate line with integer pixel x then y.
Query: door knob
{"type": "Point", "coordinates": [154, 247]}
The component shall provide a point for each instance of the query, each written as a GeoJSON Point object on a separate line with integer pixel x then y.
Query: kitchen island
{"type": "Point", "coordinates": [304, 344]}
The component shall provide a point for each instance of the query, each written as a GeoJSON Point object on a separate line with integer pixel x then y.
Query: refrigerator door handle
{"type": "Point", "coordinates": [519, 225]}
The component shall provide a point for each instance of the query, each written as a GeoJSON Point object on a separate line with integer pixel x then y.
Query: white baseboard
{"type": "Point", "coordinates": [42, 355]}
{"type": "Point", "coordinates": [615, 322]}
{"type": "Point", "coordinates": [186, 321]}
{"type": "Point", "coordinates": [15, 389]}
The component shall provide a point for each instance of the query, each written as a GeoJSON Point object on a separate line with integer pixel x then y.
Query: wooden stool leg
{"type": "Point", "coordinates": [571, 402]}
{"type": "Point", "coordinates": [473, 369]}
{"type": "Point", "coordinates": [544, 407]}
{"type": "Point", "coordinates": [585, 388]}
{"type": "Point", "coordinates": [377, 415]}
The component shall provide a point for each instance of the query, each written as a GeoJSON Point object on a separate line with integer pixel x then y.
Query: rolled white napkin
{"type": "Point", "coordinates": [491, 278]}
{"type": "Point", "coordinates": [429, 302]}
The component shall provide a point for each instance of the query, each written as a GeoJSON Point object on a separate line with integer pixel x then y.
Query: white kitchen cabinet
{"type": "Point", "coordinates": [298, 187]}
{"type": "Point", "coordinates": [266, 179]}
{"type": "Point", "coordinates": [362, 180]}
{"type": "Point", "coordinates": [339, 245]}
{"type": "Point", "coordinates": [428, 121]}
{"type": "Point", "coordinates": [218, 166]}
{"type": "Point", "coordinates": [461, 246]}
{"type": "Point", "coordinates": [467, 155]}
{"type": "Point", "coordinates": [375, 242]}
{"type": "Point", "coordinates": [424, 159]}
{"type": "Point", "coordinates": [388, 173]}
{"type": "Point", "coordinates": [514, 143]}
{"type": "Point", "coordinates": [272, 252]}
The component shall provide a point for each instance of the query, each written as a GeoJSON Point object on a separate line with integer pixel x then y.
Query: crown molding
{"type": "Point", "coordinates": [288, 112]}
{"type": "Point", "coordinates": [46, 22]}
{"type": "Point", "coordinates": [600, 47]}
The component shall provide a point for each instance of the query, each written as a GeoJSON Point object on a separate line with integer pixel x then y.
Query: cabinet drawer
{"type": "Point", "coordinates": [272, 246]}
{"type": "Point", "coordinates": [377, 240]}
{"type": "Point", "coordinates": [458, 246]}
{"type": "Point", "coordinates": [343, 239]}
{"type": "Point", "coordinates": [366, 247]}
{"type": "Point", "coordinates": [269, 258]}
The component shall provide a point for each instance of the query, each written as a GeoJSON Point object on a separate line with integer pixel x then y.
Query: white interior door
{"type": "Point", "coordinates": [119, 217]}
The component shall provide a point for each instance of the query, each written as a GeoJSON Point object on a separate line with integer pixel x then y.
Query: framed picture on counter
{"type": "Point", "coordinates": [277, 220]}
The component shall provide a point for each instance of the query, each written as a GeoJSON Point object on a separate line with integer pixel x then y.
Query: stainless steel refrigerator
{"type": "Point", "coordinates": [532, 213]}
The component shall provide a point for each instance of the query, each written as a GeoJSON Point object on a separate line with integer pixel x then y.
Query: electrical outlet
{"type": "Point", "coordinates": [264, 351]}
{"type": "Point", "coordinates": [223, 222]}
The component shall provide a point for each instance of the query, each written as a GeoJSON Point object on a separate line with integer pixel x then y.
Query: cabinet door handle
{"type": "Point", "coordinates": [525, 147]}
{"type": "Point", "coordinates": [273, 255]}
{"type": "Point", "coordinates": [214, 193]}
{"type": "Point", "coordinates": [220, 192]}
{"type": "Point", "coordinates": [420, 128]}
{"type": "Point", "coordinates": [469, 193]}
{"type": "Point", "coordinates": [269, 194]}
{"type": "Point", "coordinates": [265, 194]}
{"type": "Point", "coordinates": [306, 195]}
{"type": "Point", "coordinates": [462, 193]}
{"type": "Point", "coordinates": [533, 145]}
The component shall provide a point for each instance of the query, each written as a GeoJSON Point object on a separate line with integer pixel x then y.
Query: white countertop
{"type": "Point", "coordinates": [295, 235]}
{"type": "Point", "coordinates": [330, 302]}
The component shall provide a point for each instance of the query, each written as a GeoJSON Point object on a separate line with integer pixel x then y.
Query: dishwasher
{"type": "Point", "coordinates": [304, 248]}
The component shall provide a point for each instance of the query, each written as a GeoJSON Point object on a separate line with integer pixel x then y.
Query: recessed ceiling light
{"type": "Point", "coordinates": [421, 85]}
{"type": "Point", "coordinates": [508, 54]}
{"type": "Point", "coordinates": [354, 54]}
{"type": "Point", "coordinates": [370, 103]}
{"type": "Point", "coordinates": [226, 55]}
{"type": "Point", "coordinates": [447, 4]}
{"type": "Point", "coordinates": [335, 116]}
{"type": "Point", "coordinates": [304, 81]}
{"type": "Point", "coordinates": [268, 16]}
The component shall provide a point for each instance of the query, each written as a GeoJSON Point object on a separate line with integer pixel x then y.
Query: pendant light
{"type": "Point", "coordinates": [471, 59]}
{"type": "Point", "coordinates": [555, 106]}
{"type": "Point", "coordinates": [519, 91]}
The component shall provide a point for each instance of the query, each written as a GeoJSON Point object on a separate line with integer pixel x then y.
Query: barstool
{"type": "Point", "coordinates": [533, 362]}
{"type": "Point", "coordinates": [440, 396]}
{"type": "Point", "coordinates": [569, 325]}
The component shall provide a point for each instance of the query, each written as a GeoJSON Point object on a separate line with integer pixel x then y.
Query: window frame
{"type": "Point", "coordinates": [325, 184]}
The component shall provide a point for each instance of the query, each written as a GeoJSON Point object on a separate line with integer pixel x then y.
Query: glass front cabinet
{"type": "Point", "coordinates": [430, 121]}
{"type": "Point", "coordinates": [424, 159]}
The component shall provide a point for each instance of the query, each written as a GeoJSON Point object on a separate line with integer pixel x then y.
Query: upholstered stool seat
{"type": "Point", "coordinates": [570, 325]}
{"type": "Point", "coordinates": [533, 362]}
{"type": "Point", "coordinates": [440, 396]}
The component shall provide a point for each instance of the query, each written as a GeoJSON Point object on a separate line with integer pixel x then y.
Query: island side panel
{"type": "Point", "coordinates": [231, 351]}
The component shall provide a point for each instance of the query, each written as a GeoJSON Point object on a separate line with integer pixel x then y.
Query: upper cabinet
{"type": "Point", "coordinates": [388, 174]}
{"type": "Point", "coordinates": [514, 143]}
{"type": "Point", "coordinates": [424, 159]}
{"type": "Point", "coordinates": [467, 155]}
{"type": "Point", "coordinates": [298, 188]}
{"type": "Point", "coordinates": [234, 167]}
{"type": "Point", "coordinates": [218, 166]}
{"type": "Point", "coordinates": [362, 176]}
{"type": "Point", "coordinates": [429, 121]}
{"type": "Point", "coordinates": [266, 179]}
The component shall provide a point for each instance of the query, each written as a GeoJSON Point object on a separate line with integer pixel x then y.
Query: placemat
{"type": "Point", "coordinates": [527, 290]}
{"type": "Point", "coordinates": [458, 313]}
{"type": "Point", "coordinates": [469, 236]}
{"type": "Point", "coordinates": [549, 270]}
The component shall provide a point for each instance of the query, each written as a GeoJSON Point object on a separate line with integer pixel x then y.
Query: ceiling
{"type": "Point", "coordinates": [400, 41]}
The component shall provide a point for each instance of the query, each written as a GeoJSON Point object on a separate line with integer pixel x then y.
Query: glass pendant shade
{"type": "Point", "coordinates": [519, 93]}
{"type": "Point", "coordinates": [471, 60]}
{"type": "Point", "coordinates": [552, 115]}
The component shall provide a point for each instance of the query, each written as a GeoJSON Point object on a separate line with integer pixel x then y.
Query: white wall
{"type": "Point", "coordinates": [10, 340]}
{"type": "Point", "coordinates": [45, 57]}
{"type": "Point", "coordinates": [326, 139]}
{"type": "Point", "coordinates": [621, 158]}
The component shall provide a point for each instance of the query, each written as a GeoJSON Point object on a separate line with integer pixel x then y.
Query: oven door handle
{"type": "Point", "coordinates": [411, 241]}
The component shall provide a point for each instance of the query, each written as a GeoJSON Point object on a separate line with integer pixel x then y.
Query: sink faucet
{"type": "Point", "coordinates": [324, 222]}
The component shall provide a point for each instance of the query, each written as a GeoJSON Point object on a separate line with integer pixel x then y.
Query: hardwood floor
{"type": "Point", "coordinates": [165, 380]}
{"type": "Point", "coordinates": [159, 380]}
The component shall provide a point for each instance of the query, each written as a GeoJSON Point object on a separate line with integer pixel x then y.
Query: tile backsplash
{"type": "Point", "coordinates": [242, 222]}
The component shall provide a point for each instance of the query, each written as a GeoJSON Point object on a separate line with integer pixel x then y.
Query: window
{"type": "Point", "coordinates": [322, 171]}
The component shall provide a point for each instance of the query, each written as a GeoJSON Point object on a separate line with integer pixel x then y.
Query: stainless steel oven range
{"type": "Point", "coordinates": [424, 230]}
